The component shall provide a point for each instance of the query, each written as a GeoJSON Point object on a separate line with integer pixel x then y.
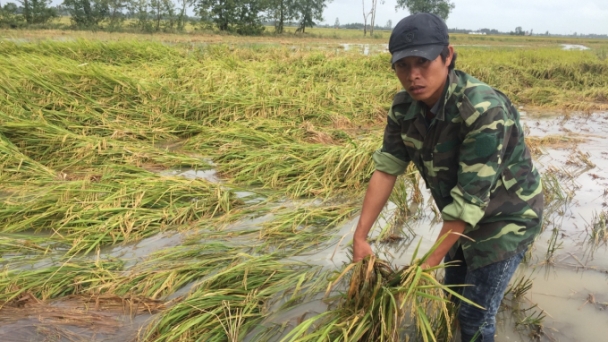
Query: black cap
{"type": "Point", "coordinates": [421, 35]}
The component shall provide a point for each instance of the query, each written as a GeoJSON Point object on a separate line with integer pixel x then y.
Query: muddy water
{"type": "Point", "coordinates": [68, 320]}
{"type": "Point", "coordinates": [571, 286]}
{"type": "Point", "coordinates": [365, 49]}
{"type": "Point", "coordinates": [573, 47]}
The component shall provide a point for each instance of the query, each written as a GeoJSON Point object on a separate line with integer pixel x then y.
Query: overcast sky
{"type": "Point", "coordinates": [555, 16]}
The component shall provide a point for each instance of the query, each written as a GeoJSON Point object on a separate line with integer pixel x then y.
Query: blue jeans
{"type": "Point", "coordinates": [488, 287]}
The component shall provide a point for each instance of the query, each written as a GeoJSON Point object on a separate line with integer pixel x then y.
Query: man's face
{"type": "Point", "coordinates": [423, 79]}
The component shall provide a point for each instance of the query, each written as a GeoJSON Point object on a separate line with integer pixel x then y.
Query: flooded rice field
{"type": "Point", "coordinates": [203, 195]}
{"type": "Point", "coordinates": [568, 267]}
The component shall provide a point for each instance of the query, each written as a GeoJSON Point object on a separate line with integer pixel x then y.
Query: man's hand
{"type": "Point", "coordinates": [361, 249]}
{"type": "Point", "coordinates": [379, 189]}
{"type": "Point", "coordinates": [452, 231]}
{"type": "Point", "coordinates": [429, 264]}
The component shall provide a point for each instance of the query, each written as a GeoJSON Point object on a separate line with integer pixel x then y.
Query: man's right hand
{"type": "Point", "coordinates": [379, 189]}
{"type": "Point", "coordinates": [361, 249]}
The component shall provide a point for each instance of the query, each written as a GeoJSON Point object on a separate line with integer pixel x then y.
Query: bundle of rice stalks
{"type": "Point", "coordinates": [384, 304]}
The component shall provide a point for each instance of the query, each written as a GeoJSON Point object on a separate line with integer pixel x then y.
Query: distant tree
{"type": "Point", "coordinates": [26, 11]}
{"type": "Point", "coordinates": [249, 17]}
{"type": "Point", "coordinates": [365, 16]}
{"type": "Point", "coordinates": [547, 33]}
{"type": "Point", "coordinates": [140, 10]}
{"type": "Point", "coordinates": [519, 31]}
{"type": "Point", "coordinates": [163, 9]}
{"type": "Point", "coordinates": [282, 11]}
{"type": "Point", "coordinates": [353, 26]}
{"type": "Point", "coordinates": [337, 23]}
{"type": "Point", "coordinates": [156, 11]}
{"type": "Point", "coordinates": [307, 11]}
{"type": "Point", "coordinates": [373, 15]}
{"type": "Point", "coordinates": [221, 12]}
{"type": "Point", "coordinates": [86, 13]}
{"type": "Point", "coordinates": [181, 17]}
{"type": "Point", "coordinates": [37, 11]}
{"type": "Point", "coordinates": [442, 8]}
{"type": "Point", "coordinates": [241, 16]}
{"type": "Point", "coordinates": [389, 25]}
{"type": "Point", "coordinates": [115, 13]}
{"type": "Point", "coordinates": [10, 8]}
{"type": "Point", "coordinates": [9, 16]}
{"type": "Point", "coordinates": [489, 31]}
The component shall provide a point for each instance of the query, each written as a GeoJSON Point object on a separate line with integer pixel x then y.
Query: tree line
{"type": "Point", "coordinates": [238, 16]}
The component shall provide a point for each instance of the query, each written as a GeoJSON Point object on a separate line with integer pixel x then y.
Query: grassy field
{"type": "Point", "coordinates": [88, 125]}
{"type": "Point", "coordinates": [196, 33]}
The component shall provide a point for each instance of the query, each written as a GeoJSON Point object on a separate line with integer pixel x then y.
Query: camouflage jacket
{"type": "Point", "coordinates": [474, 160]}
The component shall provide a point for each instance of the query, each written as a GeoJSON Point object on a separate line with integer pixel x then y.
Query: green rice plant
{"type": "Point", "coordinates": [533, 322]}
{"type": "Point", "coordinates": [302, 170]}
{"type": "Point", "coordinates": [116, 207]}
{"type": "Point", "coordinates": [81, 128]}
{"type": "Point", "coordinates": [14, 164]}
{"type": "Point", "coordinates": [554, 244]}
{"type": "Point", "coordinates": [539, 77]}
{"type": "Point", "coordinates": [537, 145]}
{"type": "Point", "coordinates": [597, 231]}
{"type": "Point", "coordinates": [68, 278]}
{"type": "Point", "coordinates": [305, 227]}
{"type": "Point", "coordinates": [528, 317]}
{"type": "Point", "coordinates": [90, 50]}
{"type": "Point", "coordinates": [231, 303]}
{"type": "Point", "coordinates": [19, 244]}
{"type": "Point", "coordinates": [518, 289]}
{"type": "Point", "coordinates": [558, 191]}
{"type": "Point", "coordinates": [407, 198]}
{"type": "Point", "coordinates": [59, 149]}
{"type": "Point", "coordinates": [167, 271]}
{"type": "Point", "coordinates": [602, 53]}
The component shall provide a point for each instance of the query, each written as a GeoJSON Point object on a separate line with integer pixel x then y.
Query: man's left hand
{"type": "Point", "coordinates": [432, 261]}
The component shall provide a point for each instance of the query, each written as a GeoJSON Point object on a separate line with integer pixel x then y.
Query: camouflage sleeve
{"type": "Point", "coordinates": [392, 158]}
{"type": "Point", "coordinates": [481, 155]}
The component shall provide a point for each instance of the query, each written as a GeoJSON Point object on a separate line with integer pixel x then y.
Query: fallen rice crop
{"type": "Point", "coordinates": [87, 126]}
{"type": "Point", "coordinates": [384, 304]}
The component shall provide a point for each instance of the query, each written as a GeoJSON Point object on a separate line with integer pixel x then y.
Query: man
{"type": "Point", "coordinates": [465, 139]}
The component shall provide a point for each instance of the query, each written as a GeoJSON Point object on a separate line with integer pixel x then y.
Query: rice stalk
{"type": "Point", "coordinates": [311, 170]}
{"type": "Point", "coordinates": [113, 208]}
{"type": "Point", "coordinates": [230, 304]}
{"type": "Point", "coordinates": [597, 231]}
{"type": "Point", "coordinates": [69, 278]}
{"type": "Point", "coordinates": [380, 301]}
{"type": "Point", "coordinates": [305, 227]}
